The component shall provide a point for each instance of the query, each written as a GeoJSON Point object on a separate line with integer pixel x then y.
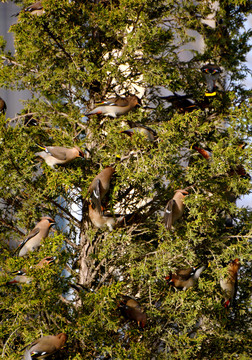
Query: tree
{"type": "Point", "coordinates": [78, 53]}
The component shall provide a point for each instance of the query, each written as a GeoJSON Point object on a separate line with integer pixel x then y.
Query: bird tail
{"type": "Point", "coordinates": [27, 355]}
{"type": "Point", "coordinates": [198, 271]}
{"type": "Point", "coordinates": [41, 146]}
{"type": "Point", "coordinates": [20, 246]}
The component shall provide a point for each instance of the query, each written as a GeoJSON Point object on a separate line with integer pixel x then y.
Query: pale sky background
{"type": "Point", "coordinates": [247, 199]}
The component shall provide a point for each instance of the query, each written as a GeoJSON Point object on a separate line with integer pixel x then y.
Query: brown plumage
{"type": "Point", "coordinates": [33, 239]}
{"type": "Point", "coordinates": [58, 155]}
{"type": "Point", "coordinates": [205, 153]}
{"type": "Point", "coordinates": [45, 346]}
{"type": "Point", "coordinates": [150, 135]}
{"type": "Point", "coordinates": [230, 282]}
{"type": "Point", "coordinates": [33, 9]}
{"type": "Point", "coordinates": [101, 220]}
{"type": "Point", "coordinates": [21, 275]}
{"type": "Point", "coordinates": [132, 310]}
{"type": "Point", "coordinates": [100, 186]}
{"type": "Point", "coordinates": [174, 208]}
{"type": "Point", "coordinates": [184, 278]}
{"type": "Point", "coordinates": [117, 106]}
{"type": "Point", "coordinates": [239, 169]}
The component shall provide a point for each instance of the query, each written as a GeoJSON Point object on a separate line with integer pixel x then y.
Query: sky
{"type": "Point", "coordinates": [246, 200]}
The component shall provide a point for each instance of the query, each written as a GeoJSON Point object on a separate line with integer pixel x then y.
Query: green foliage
{"type": "Point", "coordinates": [76, 54]}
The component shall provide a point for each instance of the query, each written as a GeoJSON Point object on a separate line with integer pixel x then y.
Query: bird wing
{"type": "Point", "coordinates": [168, 213]}
{"type": "Point", "coordinates": [185, 274]}
{"type": "Point", "coordinates": [116, 101]}
{"type": "Point", "coordinates": [57, 152]}
{"type": "Point", "coordinates": [140, 125]}
{"type": "Point", "coordinates": [111, 101]}
{"type": "Point", "coordinates": [33, 233]}
{"type": "Point", "coordinates": [96, 195]}
{"type": "Point", "coordinates": [36, 6]}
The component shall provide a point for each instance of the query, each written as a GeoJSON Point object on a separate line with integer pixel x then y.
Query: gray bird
{"type": "Point", "coordinates": [33, 240]}
{"type": "Point", "coordinates": [117, 106]}
{"type": "Point", "coordinates": [211, 74]}
{"type": "Point", "coordinates": [45, 346]}
{"type": "Point", "coordinates": [174, 208]}
{"type": "Point", "coordinates": [57, 155]}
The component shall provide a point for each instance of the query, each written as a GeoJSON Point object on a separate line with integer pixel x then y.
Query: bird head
{"type": "Point", "coordinates": [50, 220]}
{"type": "Point", "coordinates": [80, 152]}
{"type": "Point", "coordinates": [134, 100]}
{"type": "Point", "coordinates": [168, 279]}
{"type": "Point", "coordinates": [182, 191]}
{"type": "Point", "coordinates": [235, 264]}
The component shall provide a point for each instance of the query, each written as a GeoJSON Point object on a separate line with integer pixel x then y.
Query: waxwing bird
{"type": "Point", "coordinates": [149, 133]}
{"type": "Point", "coordinates": [117, 106]}
{"type": "Point", "coordinates": [33, 240]}
{"type": "Point", "coordinates": [174, 208]}
{"type": "Point", "coordinates": [34, 9]}
{"type": "Point", "coordinates": [239, 170]}
{"type": "Point", "coordinates": [57, 155]}
{"type": "Point", "coordinates": [211, 74]}
{"type": "Point", "coordinates": [132, 310]}
{"type": "Point", "coordinates": [182, 103]}
{"type": "Point", "coordinates": [21, 275]}
{"type": "Point", "coordinates": [45, 346]}
{"type": "Point", "coordinates": [185, 278]}
{"type": "Point", "coordinates": [101, 220]}
{"type": "Point", "coordinates": [3, 106]}
{"type": "Point", "coordinates": [100, 186]}
{"type": "Point", "coordinates": [205, 153]}
{"type": "Point", "coordinates": [230, 282]}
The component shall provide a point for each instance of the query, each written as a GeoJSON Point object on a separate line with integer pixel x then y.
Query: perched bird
{"type": "Point", "coordinates": [182, 103]}
{"type": "Point", "coordinates": [205, 153]}
{"type": "Point", "coordinates": [149, 133]}
{"type": "Point", "coordinates": [21, 275]}
{"type": "Point", "coordinates": [100, 186]}
{"type": "Point", "coordinates": [131, 310]}
{"type": "Point", "coordinates": [34, 9]}
{"type": "Point", "coordinates": [239, 169]}
{"type": "Point", "coordinates": [3, 106]}
{"type": "Point", "coordinates": [101, 220]}
{"type": "Point", "coordinates": [174, 208]}
{"type": "Point", "coordinates": [57, 155]}
{"type": "Point", "coordinates": [211, 74]}
{"type": "Point", "coordinates": [185, 278]}
{"type": "Point", "coordinates": [230, 282]}
{"type": "Point", "coordinates": [185, 103]}
{"type": "Point", "coordinates": [45, 346]}
{"type": "Point", "coordinates": [117, 106]}
{"type": "Point", "coordinates": [32, 241]}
